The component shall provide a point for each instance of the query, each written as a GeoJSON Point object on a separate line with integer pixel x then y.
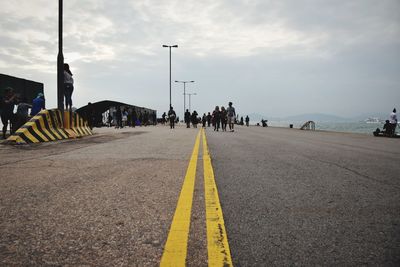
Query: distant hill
{"type": "Point", "coordinates": [316, 117]}
{"type": "Point", "coordinates": [300, 118]}
{"type": "Point", "coordinates": [259, 117]}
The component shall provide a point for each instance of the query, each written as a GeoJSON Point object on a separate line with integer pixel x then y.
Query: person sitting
{"type": "Point", "coordinates": [393, 122]}
{"type": "Point", "coordinates": [264, 123]}
{"type": "Point", "coordinates": [387, 128]}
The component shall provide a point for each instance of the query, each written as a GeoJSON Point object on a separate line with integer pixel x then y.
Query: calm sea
{"type": "Point", "coordinates": [352, 127]}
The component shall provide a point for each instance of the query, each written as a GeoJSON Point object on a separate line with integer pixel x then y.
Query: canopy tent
{"type": "Point", "coordinates": [98, 108]}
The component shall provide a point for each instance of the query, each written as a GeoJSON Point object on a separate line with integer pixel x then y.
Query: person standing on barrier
{"type": "Point", "coordinates": [171, 116]}
{"type": "Point", "coordinates": [7, 114]}
{"type": "Point", "coordinates": [68, 86]}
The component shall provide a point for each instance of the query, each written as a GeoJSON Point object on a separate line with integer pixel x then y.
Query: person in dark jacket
{"type": "Point", "coordinates": [187, 118]}
{"type": "Point", "coordinates": [171, 116]}
{"type": "Point", "coordinates": [216, 118]}
{"type": "Point", "coordinates": [7, 105]}
{"type": "Point", "coordinates": [224, 118]}
{"type": "Point", "coordinates": [194, 119]}
{"type": "Point", "coordinates": [38, 104]}
{"type": "Point", "coordinates": [209, 119]}
{"type": "Point", "coordinates": [204, 120]}
{"type": "Point", "coordinates": [118, 116]}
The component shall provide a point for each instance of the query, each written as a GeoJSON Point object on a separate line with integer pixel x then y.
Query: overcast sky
{"type": "Point", "coordinates": [276, 58]}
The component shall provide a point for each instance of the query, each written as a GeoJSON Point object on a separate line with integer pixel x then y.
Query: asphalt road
{"type": "Point", "coordinates": [288, 197]}
{"type": "Point", "coordinates": [103, 200]}
{"type": "Point", "coordinates": [298, 198]}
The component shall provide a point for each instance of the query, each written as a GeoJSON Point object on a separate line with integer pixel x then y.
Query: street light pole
{"type": "Point", "coordinates": [184, 94]}
{"type": "Point", "coordinates": [60, 60]}
{"type": "Point", "coordinates": [190, 94]}
{"type": "Point", "coordinates": [170, 46]}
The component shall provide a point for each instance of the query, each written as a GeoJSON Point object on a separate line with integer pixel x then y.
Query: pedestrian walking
{"type": "Point", "coordinates": [134, 118]}
{"type": "Point", "coordinates": [209, 119]}
{"type": "Point", "coordinates": [163, 117]}
{"type": "Point", "coordinates": [68, 86]}
{"type": "Point", "coordinates": [194, 119]}
{"type": "Point", "coordinates": [118, 116]}
{"type": "Point", "coordinates": [224, 118]}
{"type": "Point", "coordinates": [247, 120]}
{"type": "Point", "coordinates": [204, 120]}
{"type": "Point", "coordinates": [7, 105]}
{"type": "Point", "coordinates": [171, 116]}
{"type": "Point", "coordinates": [231, 116]}
{"type": "Point", "coordinates": [187, 118]}
{"type": "Point", "coordinates": [216, 118]}
{"type": "Point", "coordinates": [110, 118]}
{"type": "Point", "coordinates": [124, 118]}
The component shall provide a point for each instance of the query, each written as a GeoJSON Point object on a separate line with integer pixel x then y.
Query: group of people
{"type": "Point", "coordinates": [15, 120]}
{"type": "Point", "coordinates": [191, 118]}
{"type": "Point", "coordinates": [130, 118]}
{"type": "Point", "coordinates": [219, 118]}
{"type": "Point", "coordinates": [389, 128]}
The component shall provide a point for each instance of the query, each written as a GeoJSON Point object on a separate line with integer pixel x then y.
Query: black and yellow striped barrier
{"type": "Point", "coordinates": [50, 125]}
{"type": "Point", "coordinates": [76, 125]}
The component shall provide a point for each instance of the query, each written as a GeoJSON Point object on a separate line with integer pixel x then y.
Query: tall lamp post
{"type": "Point", "coordinates": [184, 94]}
{"type": "Point", "coordinates": [190, 94]}
{"type": "Point", "coordinates": [170, 46]}
{"type": "Point", "coordinates": [60, 60]}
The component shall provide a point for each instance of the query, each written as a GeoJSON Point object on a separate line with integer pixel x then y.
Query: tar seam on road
{"type": "Point", "coordinates": [217, 240]}
{"type": "Point", "coordinates": [175, 249]}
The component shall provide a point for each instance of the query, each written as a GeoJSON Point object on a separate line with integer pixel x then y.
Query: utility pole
{"type": "Point", "coordinates": [170, 46]}
{"type": "Point", "coordinates": [60, 60]}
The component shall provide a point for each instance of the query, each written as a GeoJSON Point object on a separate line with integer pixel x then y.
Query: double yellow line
{"type": "Point", "coordinates": [175, 249]}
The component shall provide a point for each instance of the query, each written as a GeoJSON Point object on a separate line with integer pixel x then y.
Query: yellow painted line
{"type": "Point", "coordinates": [217, 240]}
{"type": "Point", "coordinates": [175, 249]}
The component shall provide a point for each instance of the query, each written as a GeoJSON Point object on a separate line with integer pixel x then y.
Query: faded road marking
{"type": "Point", "coordinates": [217, 240]}
{"type": "Point", "coordinates": [175, 249]}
